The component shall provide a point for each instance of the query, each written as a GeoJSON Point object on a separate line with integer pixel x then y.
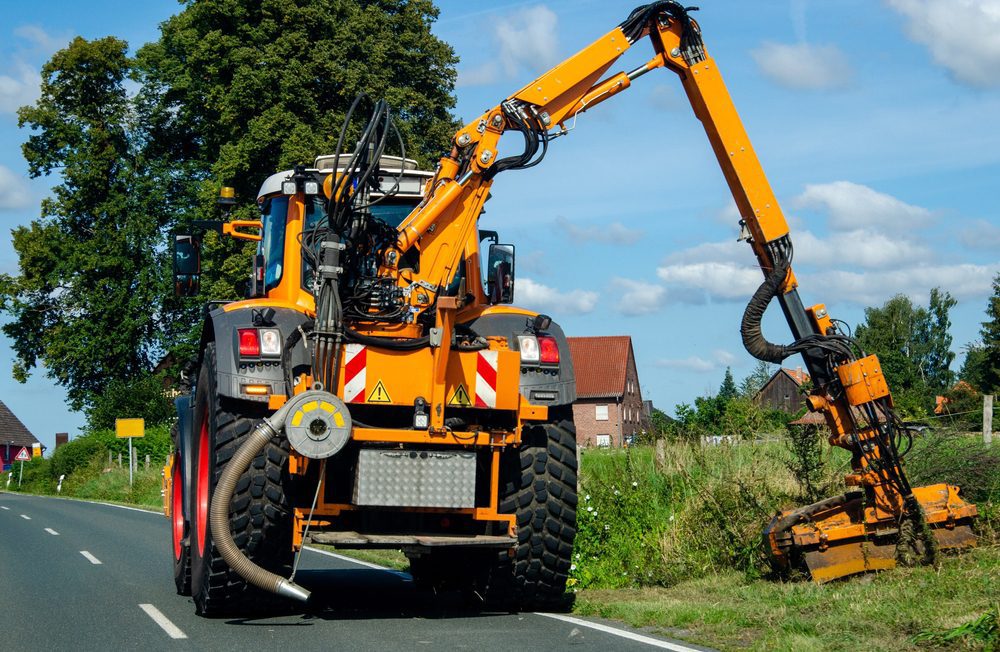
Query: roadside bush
{"type": "Point", "coordinates": [96, 445]}
{"type": "Point", "coordinates": [37, 477]}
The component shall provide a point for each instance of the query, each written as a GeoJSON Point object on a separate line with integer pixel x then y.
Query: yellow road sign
{"type": "Point", "coordinates": [125, 428]}
{"type": "Point", "coordinates": [379, 395]}
{"type": "Point", "coordinates": [460, 397]}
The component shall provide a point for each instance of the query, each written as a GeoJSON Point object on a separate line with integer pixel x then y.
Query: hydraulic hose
{"type": "Point", "coordinates": [219, 513]}
{"type": "Point", "coordinates": [750, 328]}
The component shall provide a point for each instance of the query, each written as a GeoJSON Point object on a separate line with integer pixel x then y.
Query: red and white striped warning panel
{"type": "Point", "coordinates": [355, 372]}
{"type": "Point", "coordinates": [486, 379]}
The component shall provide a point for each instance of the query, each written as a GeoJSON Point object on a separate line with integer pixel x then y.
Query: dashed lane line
{"type": "Point", "coordinates": [172, 630]}
{"type": "Point", "coordinates": [5, 508]}
{"type": "Point", "coordinates": [25, 517]}
{"type": "Point", "coordinates": [614, 631]}
{"type": "Point", "coordinates": [51, 531]}
{"type": "Point", "coordinates": [91, 558]}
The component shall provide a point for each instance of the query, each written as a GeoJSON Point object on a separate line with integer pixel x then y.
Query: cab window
{"type": "Point", "coordinates": [275, 210]}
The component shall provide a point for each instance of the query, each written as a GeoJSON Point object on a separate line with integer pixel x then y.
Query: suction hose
{"type": "Point", "coordinates": [219, 513]}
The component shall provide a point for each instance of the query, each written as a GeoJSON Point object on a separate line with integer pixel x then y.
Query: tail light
{"type": "Point", "coordinates": [249, 342]}
{"type": "Point", "coordinates": [548, 349]}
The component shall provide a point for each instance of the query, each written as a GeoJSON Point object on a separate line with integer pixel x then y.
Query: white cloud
{"type": "Point", "coordinates": [637, 297]}
{"type": "Point", "coordinates": [860, 248]}
{"type": "Point", "coordinates": [19, 88]}
{"type": "Point", "coordinates": [40, 39]}
{"type": "Point", "coordinates": [963, 281]}
{"type": "Point", "coordinates": [528, 39]}
{"type": "Point", "coordinates": [852, 206]}
{"type": "Point", "coordinates": [14, 192]}
{"type": "Point", "coordinates": [962, 35]}
{"type": "Point", "coordinates": [478, 76]}
{"type": "Point", "coordinates": [719, 360]}
{"type": "Point", "coordinates": [524, 39]}
{"type": "Point", "coordinates": [981, 235]}
{"type": "Point", "coordinates": [718, 281]}
{"type": "Point", "coordinates": [804, 66]}
{"type": "Point", "coordinates": [614, 233]}
{"type": "Point", "coordinates": [552, 301]}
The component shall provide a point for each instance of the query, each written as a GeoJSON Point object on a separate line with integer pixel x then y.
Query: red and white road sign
{"type": "Point", "coordinates": [23, 455]}
{"type": "Point", "coordinates": [355, 376]}
{"type": "Point", "coordinates": [486, 379]}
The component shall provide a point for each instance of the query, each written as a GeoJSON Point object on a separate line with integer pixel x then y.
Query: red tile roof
{"type": "Point", "coordinates": [797, 375]}
{"type": "Point", "coordinates": [600, 364]}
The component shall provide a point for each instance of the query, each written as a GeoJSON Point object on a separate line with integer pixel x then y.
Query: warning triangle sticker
{"type": "Point", "coordinates": [379, 395]}
{"type": "Point", "coordinates": [460, 397]}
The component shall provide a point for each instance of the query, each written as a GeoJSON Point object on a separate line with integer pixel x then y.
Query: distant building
{"type": "Point", "coordinates": [609, 408]}
{"type": "Point", "coordinates": [13, 436]}
{"type": "Point", "coordinates": [783, 391]}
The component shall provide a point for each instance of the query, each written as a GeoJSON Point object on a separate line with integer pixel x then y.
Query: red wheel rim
{"type": "Point", "coordinates": [203, 468]}
{"type": "Point", "coordinates": [177, 506]}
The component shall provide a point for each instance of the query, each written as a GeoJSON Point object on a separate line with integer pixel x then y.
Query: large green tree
{"type": "Point", "coordinates": [989, 358]}
{"type": "Point", "coordinates": [913, 344]}
{"type": "Point", "coordinates": [86, 301]}
{"type": "Point", "coordinates": [232, 91]}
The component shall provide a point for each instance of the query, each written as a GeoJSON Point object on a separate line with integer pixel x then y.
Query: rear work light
{"type": "Point", "coordinates": [270, 342]}
{"type": "Point", "coordinates": [249, 342]}
{"type": "Point", "coordinates": [548, 349]}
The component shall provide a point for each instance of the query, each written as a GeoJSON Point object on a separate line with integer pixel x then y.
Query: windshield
{"type": "Point", "coordinates": [272, 242]}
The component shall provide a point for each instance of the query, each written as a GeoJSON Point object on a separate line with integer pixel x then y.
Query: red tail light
{"type": "Point", "coordinates": [548, 350]}
{"type": "Point", "coordinates": [249, 342]}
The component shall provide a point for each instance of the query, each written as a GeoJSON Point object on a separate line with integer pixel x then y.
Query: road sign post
{"type": "Point", "coordinates": [130, 429]}
{"type": "Point", "coordinates": [22, 456]}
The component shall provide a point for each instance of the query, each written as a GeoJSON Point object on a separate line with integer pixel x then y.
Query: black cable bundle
{"type": "Point", "coordinates": [535, 134]}
{"type": "Point", "coordinates": [640, 18]}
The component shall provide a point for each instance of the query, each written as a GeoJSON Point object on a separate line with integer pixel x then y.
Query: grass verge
{"type": "Point", "coordinates": [905, 609]}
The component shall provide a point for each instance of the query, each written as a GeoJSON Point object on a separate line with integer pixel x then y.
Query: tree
{"type": "Point", "coordinates": [232, 91]}
{"type": "Point", "coordinates": [727, 390]}
{"type": "Point", "coordinates": [85, 301]}
{"type": "Point", "coordinates": [235, 90]}
{"type": "Point", "coordinates": [756, 379]}
{"type": "Point", "coordinates": [990, 332]}
{"type": "Point", "coordinates": [913, 345]}
{"type": "Point", "coordinates": [973, 369]}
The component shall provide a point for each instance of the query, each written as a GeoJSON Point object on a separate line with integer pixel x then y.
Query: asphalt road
{"type": "Point", "coordinates": [86, 576]}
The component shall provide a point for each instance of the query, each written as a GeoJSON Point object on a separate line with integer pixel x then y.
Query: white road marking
{"type": "Point", "coordinates": [25, 517]}
{"type": "Point", "coordinates": [632, 636]}
{"type": "Point", "coordinates": [172, 630]}
{"type": "Point", "coordinates": [51, 531]}
{"type": "Point", "coordinates": [93, 560]}
{"type": "Point", "coordinates": [366, 564]}
{"type": "Point", "coordinates": [5, 508]}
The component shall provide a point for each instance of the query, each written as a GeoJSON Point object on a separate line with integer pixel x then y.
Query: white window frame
{"type": "Point", "coordinates": [603, 441]}
{"type": "Point", "coordinates": [601, 412]}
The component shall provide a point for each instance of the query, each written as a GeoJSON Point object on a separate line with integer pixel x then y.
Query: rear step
{"type": "Point", "coordinates": [358, 540]}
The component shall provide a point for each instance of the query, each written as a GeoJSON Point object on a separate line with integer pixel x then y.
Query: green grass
{"type": "Point", "coordinates": [393, 559]}
{"type": "Point", "coordinates": [905, 609]}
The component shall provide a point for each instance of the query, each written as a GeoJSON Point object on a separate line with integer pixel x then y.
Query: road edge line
{"type": "Point", "coordinates": [622, 633]}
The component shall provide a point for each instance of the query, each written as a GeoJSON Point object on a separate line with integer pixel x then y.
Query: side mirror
{"type": "Point", "coordinates": [187, 265]}
{"type": "Point", "coordinates": [500, 275]}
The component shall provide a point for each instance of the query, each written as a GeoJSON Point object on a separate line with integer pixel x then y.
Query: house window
{"type": "Point", "coordinates": [601, 412]}
{"type": "Point", "coordinates": [604, 441]}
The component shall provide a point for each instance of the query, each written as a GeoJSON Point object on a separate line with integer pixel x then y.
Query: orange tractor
{"type": "Point", "coordinates": [377, 390]}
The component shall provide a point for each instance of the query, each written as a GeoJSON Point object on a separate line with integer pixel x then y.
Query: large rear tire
{"type": "Point", "coordinates": [179, 525]}
{"type": "Point", "coordinates": [539, 488]}
{"type": "Point", "coordinates": [260, 516]}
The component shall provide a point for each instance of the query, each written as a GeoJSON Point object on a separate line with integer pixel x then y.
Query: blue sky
{"type": "Point", "coordinates": [878, 124]}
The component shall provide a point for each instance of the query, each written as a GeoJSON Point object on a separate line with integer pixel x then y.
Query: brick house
{"type": "Point", "coordinates": [782, 391]}
{"type": "Point", "coordinates": [13, 436]}
{"type": "Point", "coordinates": [609, 408]}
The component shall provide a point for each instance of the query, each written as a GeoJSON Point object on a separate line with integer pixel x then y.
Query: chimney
{"type": "Point", "coordinates": [61, 438]}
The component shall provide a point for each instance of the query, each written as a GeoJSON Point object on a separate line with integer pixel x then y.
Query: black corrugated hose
{"type": "Point", "coordinates": [750, 328]}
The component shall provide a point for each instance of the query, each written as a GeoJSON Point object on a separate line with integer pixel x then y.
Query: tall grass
{"type": "Point", "coordinates": [695, 511]}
